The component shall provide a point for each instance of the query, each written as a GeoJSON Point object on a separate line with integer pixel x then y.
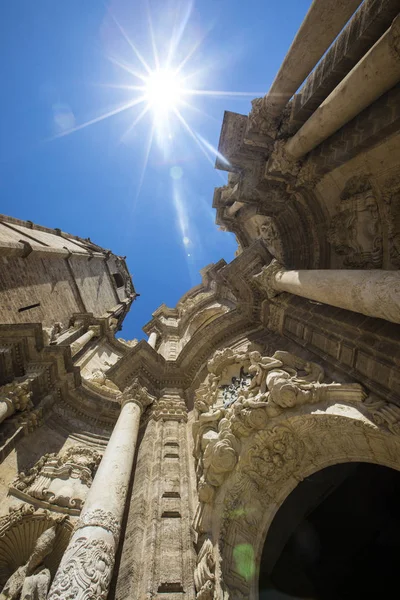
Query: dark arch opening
{"type": "Point", "coordinates": [119, 280]}
{"type": "Point", "coordinates": [336, 537]}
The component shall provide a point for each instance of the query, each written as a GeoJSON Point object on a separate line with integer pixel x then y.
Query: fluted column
{"type": "Point", "coordinates": [375, 293]}
{"type": "Point", "coordinates": [77, 345]}
{"type": "Point", "coordinates": [87, 565]}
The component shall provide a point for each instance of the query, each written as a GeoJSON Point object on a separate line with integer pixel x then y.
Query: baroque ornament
{"type": "Point", "coordinates": [85, 571]}
{"type": "Point", "coordinates": [278, 383]}
{"type": "Point", "coordinates": [59, 480]}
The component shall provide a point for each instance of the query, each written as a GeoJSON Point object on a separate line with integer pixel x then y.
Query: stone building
{"type": "Point", "coordinates": [250, 447]}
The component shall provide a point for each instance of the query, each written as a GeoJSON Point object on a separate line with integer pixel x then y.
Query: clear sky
{"type": "Point", "coordinates": [141, 181]}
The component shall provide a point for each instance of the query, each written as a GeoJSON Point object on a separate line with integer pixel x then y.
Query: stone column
{"type": "Point", "coordinates": [93, 331]}
{"type": "Point", "coordinates": [86, 568]}
{"type": "Point", "coordinates": [375, 293]}
{"type": "Point", "coordinates": [152, 339]}
{"type": "Point", "coordinates": [376, 73]}
{"type": "Point", "coordinates": [324, 21]}
{"type": "Point", "coordinates": [158, 558]}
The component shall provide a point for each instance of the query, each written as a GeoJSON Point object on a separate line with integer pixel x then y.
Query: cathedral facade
{"type": "Point", "coordinates": [250, 448]}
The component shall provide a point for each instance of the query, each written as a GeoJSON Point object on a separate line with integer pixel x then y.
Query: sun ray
{"type": "Point", "coordinates": [106, 115]}
{"type": "Point", "coordinates": [152, 37]}
{"type": "Point", "coordinates": [146, 159]}
{"type": "Point", "coordinates": [193, 136]}
{"type": "Point", "coordinates": [194, 92]}
{"type": "Point", "coordinates": [178, 32]}
{"type": "Point", "coordinates": [127, 68]}
{"type": "Point", "coordinates": [131, 44]}
{"type": "Point", "coordinates": [135, 122]}
{"type": "Point", "coordinates": [133, 88]}
{"type": "Point", "coordinates": [213, 150]}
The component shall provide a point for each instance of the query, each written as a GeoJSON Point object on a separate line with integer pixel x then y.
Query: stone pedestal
{"type": "Point", "coordinates": [375, 293]}
{"type": "Point", "coordinates": [87, 565]}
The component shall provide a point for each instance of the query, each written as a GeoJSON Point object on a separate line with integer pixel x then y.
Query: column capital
{"type": "Point", "coordinates": [138, 394]}
{"type": "Point", "coordinates": [266, 278]}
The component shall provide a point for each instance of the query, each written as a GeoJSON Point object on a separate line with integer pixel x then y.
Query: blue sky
{"type": "Point", "coordinates": [152, 203]}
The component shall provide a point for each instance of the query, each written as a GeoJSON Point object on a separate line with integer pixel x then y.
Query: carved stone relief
{"type": "Point", "coordinates": [88, 572]}
{"type": "Point", "coordinates": [274, 384]}
{"type": "Point", "coordinates": [392, 206]}
{"type": "Point", "coordinates": [355, 231]}
{"type": "Point", "coordinates": [99, 377]}
{"type": "Point", "coordinates": [274, 460]}
{"type": "Point", "coordinates": [59, 481]}
{"type": "Point", "coordinates": [268, 232]}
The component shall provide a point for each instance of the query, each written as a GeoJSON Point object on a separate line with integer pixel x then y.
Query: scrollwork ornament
{"type": "Point", "coordinates": [85, 571]}
{"type": "Point", "coordinates": [100, 518]}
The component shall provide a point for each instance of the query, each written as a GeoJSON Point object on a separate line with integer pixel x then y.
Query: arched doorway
{"type": "Point", "coordinates": [336, 536]}
{"type": "Point", "coordinates": [339, 444]}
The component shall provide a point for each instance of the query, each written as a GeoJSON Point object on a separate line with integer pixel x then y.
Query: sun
{"type": "Point", "coordinates": [164, 91]}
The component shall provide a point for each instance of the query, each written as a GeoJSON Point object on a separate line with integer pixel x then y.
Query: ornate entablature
{"type": "Point", "coordinates": [60, 483]}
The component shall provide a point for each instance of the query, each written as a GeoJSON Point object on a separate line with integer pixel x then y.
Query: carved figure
{"type": "Point", "coordinates": [269, 233]}
{"type": "Point", "coordinates": [355, 231]}
{"type": "Point", "coordinates": [204, 575]}
{"type": "Point", "coordinates": [32, 580]}
{"type": "Point", "coordinates": [99, 377]}
{"type": "Point", "coordinates": [52, 333]}
{"type": "Point", "coordinates": [259, 366]}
